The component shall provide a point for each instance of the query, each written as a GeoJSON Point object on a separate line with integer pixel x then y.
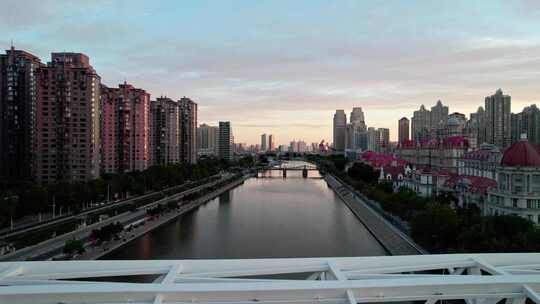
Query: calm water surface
{"type": "Point", "coordinates": [266, 217]}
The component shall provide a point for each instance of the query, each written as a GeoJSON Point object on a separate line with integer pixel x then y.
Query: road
{"type": "Point", "coordinates": [52, 247]}
{"type": "Point", "coordinates": [28, 227]}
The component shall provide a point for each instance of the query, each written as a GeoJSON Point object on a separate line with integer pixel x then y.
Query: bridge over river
{"type": "Point", "coordinates": [469, 278]}
{"type": "Point", "coordinates": [288, 166]}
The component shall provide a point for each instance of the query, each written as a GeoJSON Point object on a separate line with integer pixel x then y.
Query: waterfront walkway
{"type": "Point", "coordinates": [96, 252]}
{"type": "Point", "coordinates": [392, 239]}
{"type": "Point", "coordinates": [53, 247]}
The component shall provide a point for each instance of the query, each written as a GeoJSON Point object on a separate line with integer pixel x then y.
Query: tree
{"type": "Point", "coordinates": [436, 228]}
{"type": "Point", "coordinates": [363, 172]}
{"type": "Point", "coordinates": [73, 246]}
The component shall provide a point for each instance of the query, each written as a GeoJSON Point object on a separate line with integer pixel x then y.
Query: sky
{"type": "Point", "coordinates": [284, 67]}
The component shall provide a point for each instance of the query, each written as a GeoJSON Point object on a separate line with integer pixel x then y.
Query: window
{"type": "Point", "coordinates": [535, 183]}
{"type": "Point", "coordinates": [503, 185]}
{"type": "Point", "coordinates": [517, 183]}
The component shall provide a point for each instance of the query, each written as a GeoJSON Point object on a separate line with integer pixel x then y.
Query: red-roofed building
{"type": "Point", "coordinates": [518, 191]}
{"type": "Point", "coordinates": [378, 160]}
{"type": "Point", "coordinates": [482, 162]}
{"type": "Point", "coordinates": [440, 155]}
{"type": "Point", "coordinates": [394, 173]}
{"type": "Point", "coordinates": [470, 189]}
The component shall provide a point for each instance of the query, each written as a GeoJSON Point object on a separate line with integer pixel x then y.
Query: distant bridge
{"type": "Point", "coordinates": [472, 278]}
{"type": "Point", "coordinates": [284, 167]}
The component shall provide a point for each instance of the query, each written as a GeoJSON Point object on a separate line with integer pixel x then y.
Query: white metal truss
{"type": "Point", "coordinates": [473, 278]}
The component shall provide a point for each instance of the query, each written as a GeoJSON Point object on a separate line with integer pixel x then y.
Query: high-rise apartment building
{"type": "Point", "coordinates": [384, 139]}
{"type": "Point", "coordinates": [403, 130]}
{"type": "Point", "coordinates": [271, 143]}
{"type": "Point", "coordinates": [476, 127]}
{"type": "Point", "coordinates": [340, 130]}
{"type": "Point", "coordinates": [207, 140]}
{"type": "Point", "coordinates": [357, 116]}
{"type": "Point", "coordinates": [497, 119]}
{"type": "Point", "coordinates": [67, 119]}
{"type": "Point", "coordinates": [125, 129]}
{"type": "Point", "coordinates": [18, 88]}
{"type": "Point", "coordinates": [373, 139]}
{"type": "Point", "coordinates": [164, 131]}
{"type": "Point", "coordinates": [188, 127]}
{"type": "Point", "coordinates": [264, 143]}
{"type": "Point", "coordinates": [421, 124]}
{"type": "Point", "coordinates": [438, 118]}
{"type": "Point", "coordinates": [225, 140]}
{"type": "Point", "coordinates": [356, 131]}
{"type": "Point", "coordinates": [526, 122]}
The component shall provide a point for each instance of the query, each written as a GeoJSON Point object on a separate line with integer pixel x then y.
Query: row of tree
{"type": "Point", "coordinates": [22, 199]}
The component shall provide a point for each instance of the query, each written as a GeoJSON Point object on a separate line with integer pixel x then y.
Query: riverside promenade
{"type": "Point", "coordinates": [94, 253]}
{"type": "Point", "coordinates": [54, 246]}
{"type": "Point", "coordinates": [392, 239]}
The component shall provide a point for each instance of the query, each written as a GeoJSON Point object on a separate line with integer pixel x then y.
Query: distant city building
{"type": "Point", "coordinates": [293, 146]}
{"type": "Point", "coordinates": [225, 140]}
{"type": "Point", "coordinates": [373, 139]}
{"type": "Point", "coordinates": [18, 86]}
{"type": "Point", "coordinates": [207, 140]}
{"type": "Point", "coordinates": [188, 133]}
{"type": "Point", "coordinates": [383, 141]}
{"type": "Point", "coordinates": [438, 118]}
{"type": "Point", "coordinates": [340, 130]}
{"type": "Point", "coordinates": [264, 143]}
{"type": "Point", "coordinates": [164, 131]}
{"type": "Point", "coordinates": [271, 143]}
{"type": "Point", "coordinates": [526, 122]}
{"type": "Point", "coordinates": [357, 116]}
{"type": "Point", "coordinates": [68, 120]}
{"type": "Point", "coordinates": [455, 125]}
{"type": "Point", "coordinates": [421, 124]}
{"type": "Point", "coordinates": [125, 129]}
{"type": "Point", "coordinates": [497, 119]}
{"type": "Point", "coordinates": [403, 130]}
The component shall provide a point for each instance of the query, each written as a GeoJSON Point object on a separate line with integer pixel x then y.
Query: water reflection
{"type": "Point", "coordinates": [265, 217]}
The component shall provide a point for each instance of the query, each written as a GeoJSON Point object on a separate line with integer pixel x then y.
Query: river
{"type": "Point", "coordinates": [266, 217]}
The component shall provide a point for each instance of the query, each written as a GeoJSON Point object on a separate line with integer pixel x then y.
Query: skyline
{"type": "Point", "coordinates": [230, 57]}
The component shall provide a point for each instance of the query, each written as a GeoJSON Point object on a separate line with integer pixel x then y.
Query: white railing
{"type": "Point", "coordinates": [474, 278]}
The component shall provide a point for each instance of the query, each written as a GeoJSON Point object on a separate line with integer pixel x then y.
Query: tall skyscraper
{"type": "Point", "coordinates": [68, 119]}
{"type": "Point", "coordinates": [384, 139]}
{"type": "Point", "coordinates": [497, 119]}
{"type": "Point", "coordinates": [188, 127]}
{"type": "Point", "coordinates": [207, 140]}
{"type": "Point", "coordinates": [357, 116]}
{"type": "Point", "coordinates": [403, 130]}
{"type": "Point", "coordinates": [421, 124]}
{"type": "Point", "coordinates": [225, 140]}
{"type": "Point", "coordinates": [125, 129]}
{"type": "Point", "coordinates": [340, 130]}
{"type": "Point", "coordinates": [271, 143]}
{"type": "Point", "coordinates": [526, 122]}
{"type": "Point", "coordinates": [164, 131]}
{"type": "Point", "coordinates": [18, 88]}
{"type": "Point", "coordinates": [355, 138]}
{"type": "Point", "coordinates": [264, 143]}
{"type": "Point", "coordinates": [477, 126]}
{"type": "Point", "coordinates": [373, 139]}
{"type": "Point", "coordinates": [438, 118]}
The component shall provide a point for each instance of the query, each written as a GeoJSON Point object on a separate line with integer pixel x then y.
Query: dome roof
{"type": "Point", "coordinates": [521, 154]}
{"type": "Point", "coordinates": [453, 121]}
